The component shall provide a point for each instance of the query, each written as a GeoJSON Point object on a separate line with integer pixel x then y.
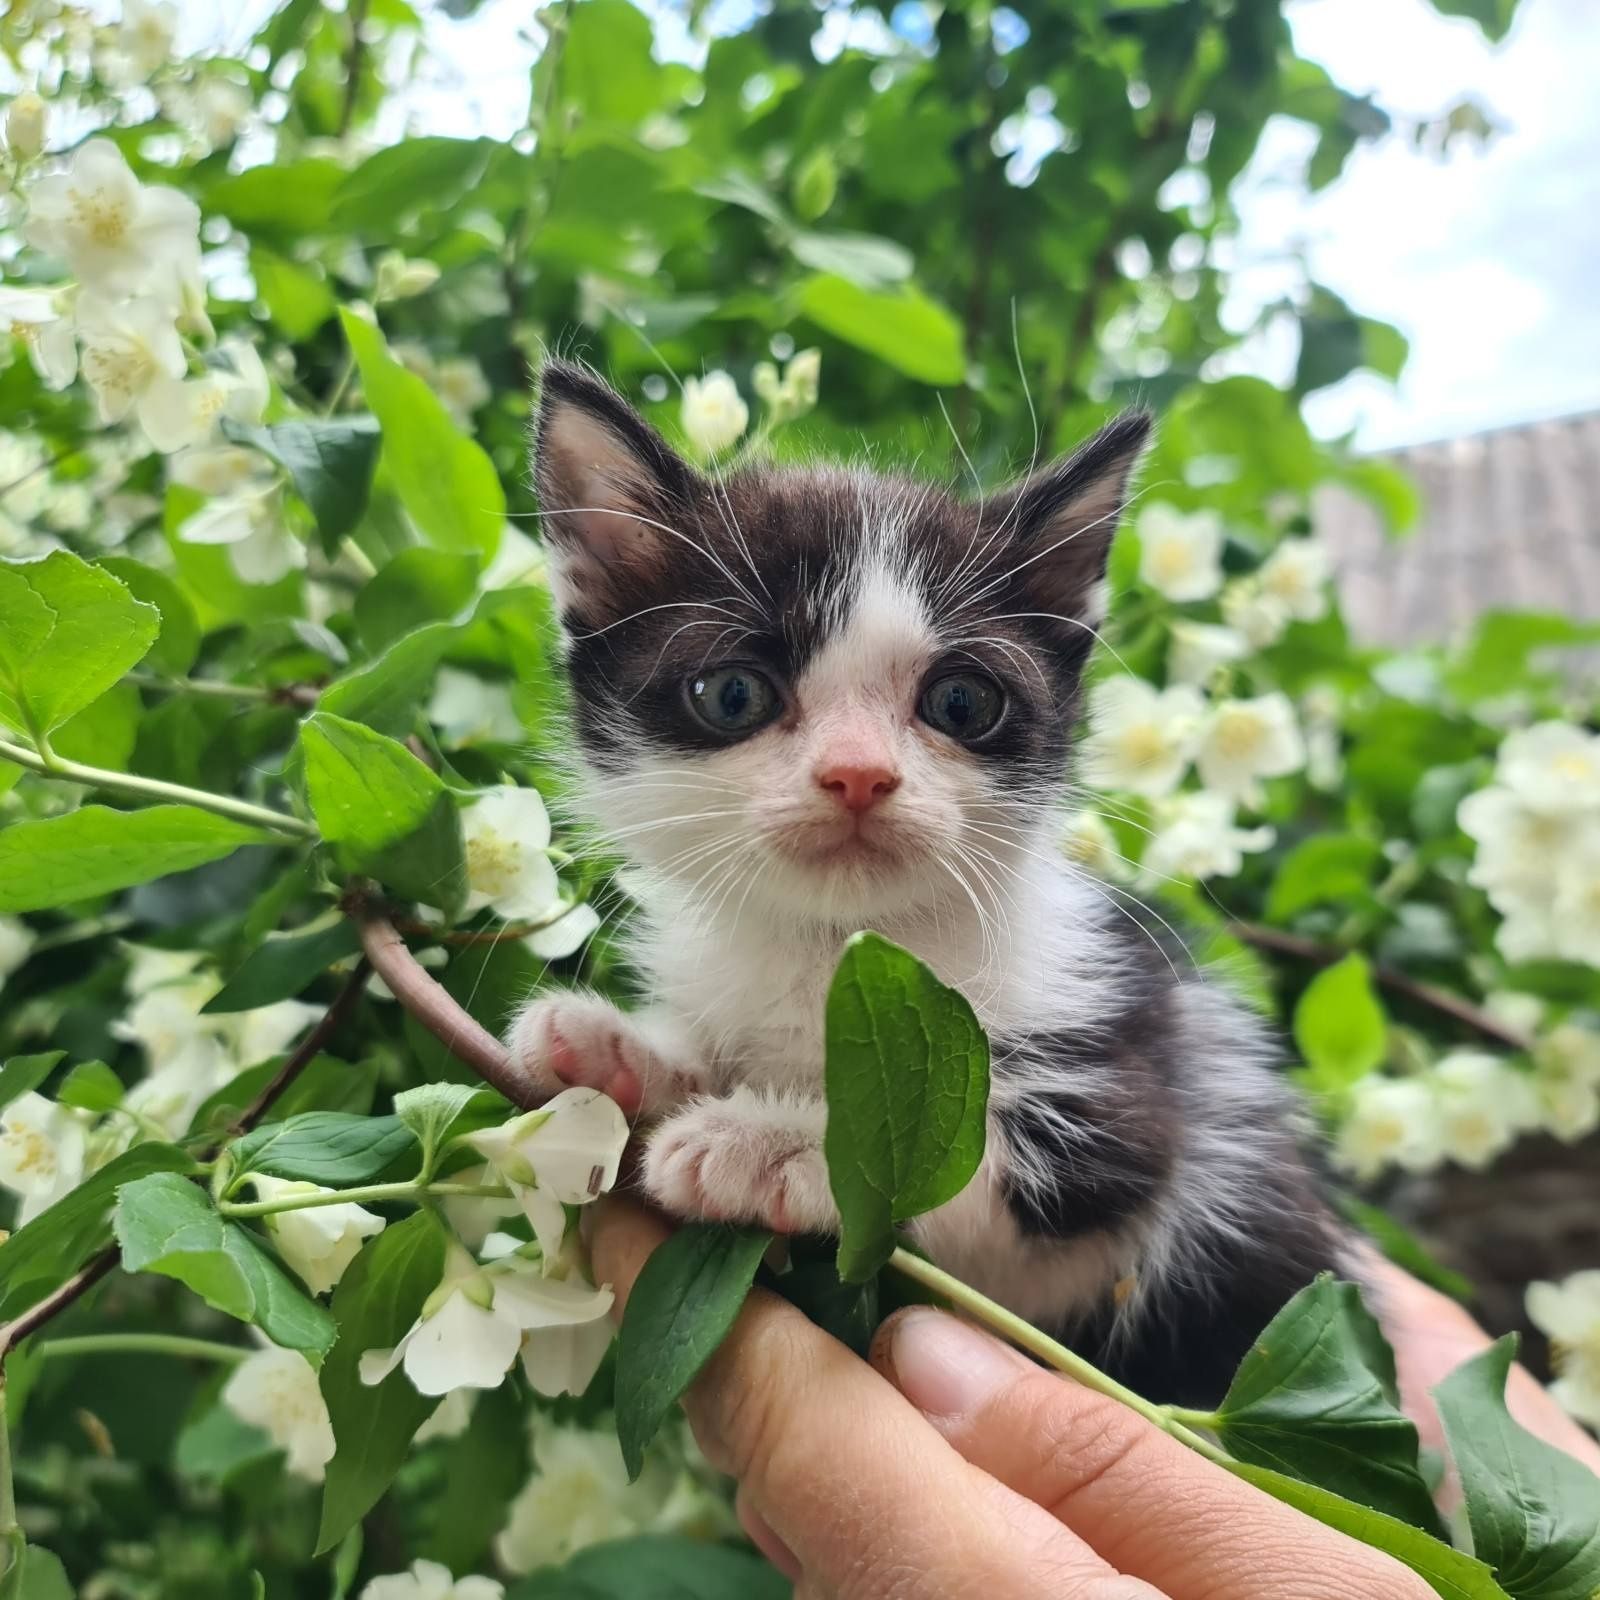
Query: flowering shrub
{"type": "Point", "coordinates": [279, 722]}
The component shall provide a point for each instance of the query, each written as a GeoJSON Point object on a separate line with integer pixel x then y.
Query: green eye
{"type": "Point", "coordinates": [733, 700]}
{"type": "Point", "coordinates": [965, 705]}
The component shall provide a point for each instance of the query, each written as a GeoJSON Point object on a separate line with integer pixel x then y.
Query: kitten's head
{"type": "Point", "coordinates": [835, 693]}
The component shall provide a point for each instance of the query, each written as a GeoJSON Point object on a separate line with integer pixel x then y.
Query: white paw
{"type": "Point", "coordinates": [568, 1040]}
{"type": "Point", "coordinates": [743, 1159]}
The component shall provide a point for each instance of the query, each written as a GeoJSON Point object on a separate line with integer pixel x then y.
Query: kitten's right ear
{"type": "Point", "coordinates": [611, 491]}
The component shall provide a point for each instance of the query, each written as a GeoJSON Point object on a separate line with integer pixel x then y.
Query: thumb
{"type": "Point", "coordinates": [1148, 1505]}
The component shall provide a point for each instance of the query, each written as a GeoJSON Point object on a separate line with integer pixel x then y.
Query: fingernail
{"type": "Point", "coordinates": [946, 1368]}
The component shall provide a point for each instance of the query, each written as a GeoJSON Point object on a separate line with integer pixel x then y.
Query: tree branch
{"type": "Point", "coordinates": [1425, 994]}
{"type": "Point", "coordinates": [436, 1009]}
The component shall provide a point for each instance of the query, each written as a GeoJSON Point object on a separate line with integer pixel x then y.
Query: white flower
{"type": "Point", "coordinates": [1519, 848]}
{"type": "Point", "coordinates": [713, 414]}
{"type": "Point", "coordinates": [318, 1242]}
{"type": "Point", "coordinates": [266, 1030]}
{"type": "Point", "coordinates": [1576, 913]}
{"type": "Point", "coordinates": [169, 1097]}
{"type": "Point", "coordinates": [507, 831]}
{"type": "Point", "coordinates": [1142, 736]}
{"type": "Point", "coordinates": [145, 35]}
{"type": "Point", "coordinates": [578, 1495]}
{"type": "Point", "coordinates": [220, 469]}
{"type": "Point", "coordinates": [1392, 1121]}
{"type": "Point", "coordinates": [450, 1418]}
{"type": "Point", "coordinates": [795, 393]}
{"type": "Point", "coordinates": [427, 1580]}
{"type": "Point", "coordinates": [1198, 649]}
{"type": "Point", "coordinates": [460, 383]}
{"type": "Point", "coordinates": [276, 1391]}
{"type": "Point", "coordinates": [466, 708]}
{"type": "Point", "coordinates": [35, 317]}
{"type": "Point", "coordinates": [1296, 576]}
{"type": "Point", "coordinates": [472, 1326]}
{"type": "Point", "coordinates": [26, 118]}
{"type": "Point", "coordinates": [565, 936]}
{"type": "Point", "coordinates": [251, 526]}
{"type": "Point", "coordinates": [165, 1021]}
{"type": "Point", "coordinates": [565, 1153]}
{"type": "Point", "coordinates": [1244, 741]}
{"type": "Point", "coordinates": [1524, 1012]}
{"type": "Point", "coordinates": [1197, 838]}
{"type": "Point", "coordinates": [1180, 554]}
{"type": "Point", "coordinates": [221, 107]}
{"type": "Point", "coordinates": [152, 968]}
{"type": "Point", "coordinates": [16, 942]}
{"type": "Point", "coordinates": [1483, 1104]}
{"type": "Point", "coordinates": [1088, 842]}
{"type": "Point", "coordinates": [1261, 617]}
{"type": "Point", "coordinates": [1568, 1313]}
{"type": "Point", "coordinates": [118, 236]}
{"type": "Point", "coordinates": [129, 349]}
{"type": "Point", "coordinates": [1553, 768]}
{"type": "Point", "coordinates": [42, 1152]}
{"type": "Point", "coordinates": [473, 1218]}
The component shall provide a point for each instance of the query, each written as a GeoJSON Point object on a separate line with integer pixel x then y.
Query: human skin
{"type": "Point", "coordinates": [952, 1468]}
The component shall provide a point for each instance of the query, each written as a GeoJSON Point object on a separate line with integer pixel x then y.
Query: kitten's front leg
{"type": "Point", "coordinates": [754, 1156]}
{"type": "Point", "coordinates": [642, 1059]}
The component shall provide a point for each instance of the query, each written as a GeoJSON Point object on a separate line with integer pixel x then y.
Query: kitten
{"type": "Point", "coordinates": [813, 700]}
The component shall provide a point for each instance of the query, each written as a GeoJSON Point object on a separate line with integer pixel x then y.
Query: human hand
{"type": "Point", "coordinates": [954, 1469]}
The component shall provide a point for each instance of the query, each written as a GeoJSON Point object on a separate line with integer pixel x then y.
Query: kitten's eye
{"type": "Point", "coordinates": [965, 705]}
{"type": "Point", "coordinates": [733, 699]}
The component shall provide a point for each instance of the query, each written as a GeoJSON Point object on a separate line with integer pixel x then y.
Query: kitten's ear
{"type": "Point", "coordinates": [611, 491]}
{"type": "Point", "coordinates": [1063, 519]}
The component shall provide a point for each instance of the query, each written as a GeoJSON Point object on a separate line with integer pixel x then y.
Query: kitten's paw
{"type": "Point", "coordinates": [743, 1159]}
{"type": "Point", "coordinates": [575, 1040]}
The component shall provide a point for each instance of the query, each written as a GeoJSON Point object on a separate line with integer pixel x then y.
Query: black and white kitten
{"type": "Point", "coordinates": [813, 700]}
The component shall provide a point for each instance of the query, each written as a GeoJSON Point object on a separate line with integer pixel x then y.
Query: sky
{"type": "Point", "coordinates": [1488, 259]}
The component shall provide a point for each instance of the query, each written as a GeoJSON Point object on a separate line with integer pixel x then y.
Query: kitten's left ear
{"type": "Point", "coordinates": [1063, 519]}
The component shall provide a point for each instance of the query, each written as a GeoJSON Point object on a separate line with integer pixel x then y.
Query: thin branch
{"type": "Point", "coordinates": [436, 1009]}
{"type": "Point", "coordinates": [354, 60]}
{"type": "Point", "coordinates": [135, 787]}
{"type": "Point", "coordinates": [57, 1301]}
{"type": "Point", "coordinates": [1425, 994]}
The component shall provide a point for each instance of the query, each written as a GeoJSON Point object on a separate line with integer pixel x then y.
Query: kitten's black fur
{"type": "Point", "coordinates": [1151, 1201]}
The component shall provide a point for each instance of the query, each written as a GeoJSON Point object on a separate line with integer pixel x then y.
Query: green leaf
{"type": "Point", "coordinates": [96, 850]}
{"type": "Point", "coordinates": [68, 631]}
{"type": "Point", "coordinates": [46, 1252]}
{"type": "Point", "coordinates": [104, 734]}
{"type": "Point", "coordinates": [297, 298]}
{"type": "Point", "coordinates": [332, 1148]}
{"type": "Point", "coordinates": [383, 812]}
{"type": "Point", "coordinates": [430, 1109]}
{"type": "Point", "coordinates": [657, 1566]}
{"type": "Point", "coordinates": [1316, 1398]}
{"type": "Point", "coordinates": [178, 643]}
{"type": "Point", "coordinates": [481, 1470]}
{"type": "Point", "coordinates": [1327, 867]}
{"type": "Point", "coordinates": [1493, 16]}
{"type": "Point", "coordinates": [681, 1308]}
{"type": "Point", "coordinates": [281, 967]}
{"type": "Point", "coordinates": [1450, 1573]}
{"type": "Point", "coordinates": [402, 177]}
{"type": "Point", "coordinates": [91, 1086]}
{"type": "Point", "coordinates": [907, 1089]}
{"type": "Point", "coordinates": [903, 327]}
{"type": "Point", "coordinates": [21, 1074]}
{"type": "Point", "coordinates": [294, 197]}
{"type": "Point", "coordinates": [387, 694]}
{"type": "Point", "coordinates": [166, 1224]}
{"type": "Point", "coordinates": [35, 1574]}
{"type": "Point", "coordinates": [378, 1298]}
{"type": "Point", "coordinates": [868, 261]}
{"type": "Point", "coordinates": [1505, 648]}
{"type": "Point", "coordinates": [417, 587]}
{"type": "Point", "coordinates": [329, 461]}
{"type": "Point", "coordinates": [1534, 1511]}
{"type": "Point", "coordinates": [1340, 1026]}
{"type": "Point", "coordinates": [448, 485]}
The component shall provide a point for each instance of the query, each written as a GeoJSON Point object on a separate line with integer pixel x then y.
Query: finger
{"type": "Point", "coordinates": [870, 1501]}
{"type": "Point", "coordinates": [761, 1535]}
{"type": "Point", "coordinates": [1149, 1505]}
{"type": "Point", "coordinates": [1432, 1336]}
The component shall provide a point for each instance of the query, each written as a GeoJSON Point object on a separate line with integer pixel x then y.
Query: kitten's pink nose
{"type": "Point", "coordinates": [857, 786]}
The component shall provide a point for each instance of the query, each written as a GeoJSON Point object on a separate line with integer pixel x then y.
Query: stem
{"type": "Point", "coordinates": [12, 1333]}
{"type": "Point", "coordinates": [160, 1344]}
{"type": "Point", "coordinates": [511, 930]}
{"type": "Point", "coordinates": [354, 60]}
{"type": "Point", "coordinates": [206, 686]}
{"type": "Point", "coordinates": [8, 1493]}
{"type": "Point", "coordinates": [1027, 1337]}
{"type": "Point", "coordinates": [375, 1192]}
{"type": "Point", "coordinates": [128, 783]}
{"type": "Point", "coordinates": [436, 1009]}
{"type": "Point", "coordinates": [1426, 994]}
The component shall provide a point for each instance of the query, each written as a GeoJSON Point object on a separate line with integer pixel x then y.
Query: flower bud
{"type": "Point", "coordinates": [400, 279]}
{"type": "Point", "coordinates": [803, 379]}
{"type": "Point", "coordinates": [25, 126]}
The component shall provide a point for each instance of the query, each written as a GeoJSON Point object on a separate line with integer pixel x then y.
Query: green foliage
{"type": "Point", "coordinates": [682, 1305]}
{"type": "Point", "coordinates": [1316, 1398]}
{"type": "Point", "coordinates": [1534, 1512]}
{"type": "Point", "coordinates": [333, 1148]}
{"type": "Point", "coordinates": [280, 968]}
{"type": "Point", "coordinates": [907, 1086]}
{"type": "Point", "coordinates": [164, 1223]}
{"type": "Point", "coordinates": [1340, 1026]}
{"type": "Point", "coordinates": [330, 464]}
